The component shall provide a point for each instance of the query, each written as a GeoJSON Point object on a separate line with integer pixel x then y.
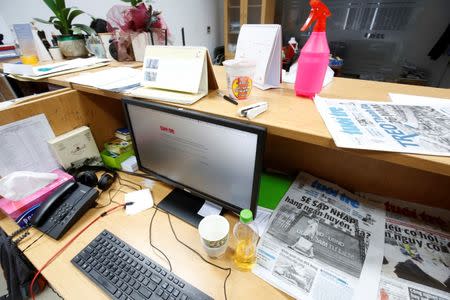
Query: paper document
{"type": "Point", "coordinates": [175, 74]}
{"type": "Point", "coordinates": [23, 146]}
{"type": "Point", "coordinates": [416, 263]}
{"type": "Point", "coordinates": [322, 243]}
{"type": "Point", "coordinates": [387, 126]}
{"type": "Point", "coordinates": [141, 199]}
{"type": "Point", "coordinates": [118, 79]}
{"type": "Point", "coordinates": [29, 71]}
{"type": "Point", "coordinates": [209, 209]}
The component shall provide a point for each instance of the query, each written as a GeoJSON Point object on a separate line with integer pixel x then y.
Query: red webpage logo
{"type": "Point", "coordinates": [167, 129]}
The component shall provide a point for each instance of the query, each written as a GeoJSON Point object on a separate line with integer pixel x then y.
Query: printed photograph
{"type": "Point", "coordinates": [298, 274]}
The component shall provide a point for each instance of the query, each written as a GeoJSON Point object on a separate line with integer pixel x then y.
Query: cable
{"type": "Point", "coordinates": [37, 239]}
{"type": "Point", "coordinates": [54, 291]}
{"type": "Point", "coordinates": [110, 198]}
{"type": "Point", "coordinates": [129, 181]}
{"type": "Point", "coordinates": [147, 176]}
{"type": "Point", "coordinates": [150, 239]}
{"type": "Point", "coordinates": [68, 244]}
{"type": "Point", "coordinates": [199, 255]}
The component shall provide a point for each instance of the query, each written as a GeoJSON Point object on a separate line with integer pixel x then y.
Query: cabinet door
{"type": "Point", "coordinates": [238, 12]}
{"type": "Point", "coordinates": [232, 24]}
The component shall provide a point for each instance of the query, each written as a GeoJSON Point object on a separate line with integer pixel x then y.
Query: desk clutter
{"type": "Point", "coordinates": [209, 166]}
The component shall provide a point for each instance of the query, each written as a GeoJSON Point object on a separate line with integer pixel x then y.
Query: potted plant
{"type": "Point", "coordinates": [72, 45]}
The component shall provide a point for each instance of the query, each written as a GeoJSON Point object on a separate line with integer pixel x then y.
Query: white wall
{"type": "Point", "coordinates": [193, 15]}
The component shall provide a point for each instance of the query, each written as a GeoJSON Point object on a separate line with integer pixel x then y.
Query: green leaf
{"type": "Point", "coordinates": [84, 28]}
{"type": "Point", "coordinates": [127, 1]}
{"type": "Point", "coordinates": [60, 26]}
{"type": "Point", "coordinates": [60, 4]}
{"type": "Point", "coordinates": [73, 14]}
{"type": "Point", "coordinates": [52, 5]}
{"type": "Point", "coordinates": [42, 21]}
{"type": "Point", "coordinates": [65, 13]}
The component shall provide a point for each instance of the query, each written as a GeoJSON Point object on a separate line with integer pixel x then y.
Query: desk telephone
{"type": "Point", "coordinates": [63, 208]}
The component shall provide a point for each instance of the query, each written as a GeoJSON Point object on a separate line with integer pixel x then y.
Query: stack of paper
{"type": "Point", "coordinates": [44, 71]}
{"type": "Point", "coordinates": [118, 79]}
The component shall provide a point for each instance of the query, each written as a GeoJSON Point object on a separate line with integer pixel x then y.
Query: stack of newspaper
{"type": "Point", "coordinates": [324, 242]}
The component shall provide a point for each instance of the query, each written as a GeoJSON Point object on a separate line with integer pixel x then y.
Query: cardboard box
{"type": "Point", "coordinates": [76, 148]}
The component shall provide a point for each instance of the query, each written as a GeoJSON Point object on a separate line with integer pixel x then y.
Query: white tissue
{"type": "Point", "coordinates": [21, 184]}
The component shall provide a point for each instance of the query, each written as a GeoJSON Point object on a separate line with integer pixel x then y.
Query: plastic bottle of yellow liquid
{"type": "Point", "coordinates": [246, 235]}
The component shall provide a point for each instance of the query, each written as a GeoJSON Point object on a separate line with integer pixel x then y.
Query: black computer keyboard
{"type": "Point", "coordinates": [125, 273]}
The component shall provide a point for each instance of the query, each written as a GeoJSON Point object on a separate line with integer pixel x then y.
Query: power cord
{"type": "Point", "coordinates": [48, 262]}
{"type": "Point", "coordinates": [199, 255]}
{"type": "Point", "coordinates": [150, 239]}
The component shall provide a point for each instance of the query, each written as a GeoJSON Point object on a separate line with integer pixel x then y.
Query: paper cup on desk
{"type": "Point", "coordinates": [239, 77]}
{"type": "Point", "coordinates": [213, 232]}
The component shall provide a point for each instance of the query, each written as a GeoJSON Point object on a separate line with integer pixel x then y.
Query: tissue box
{"type": "Point", "coordinates": [15, 209]}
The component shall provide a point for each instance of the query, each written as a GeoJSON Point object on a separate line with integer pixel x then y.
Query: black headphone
{"type": "Point", "coordinates": [87, 176]}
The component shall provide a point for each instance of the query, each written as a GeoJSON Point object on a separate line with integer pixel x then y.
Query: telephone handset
{"type": "Point", "coordinates": [45, 207]}
{"type": "Point", "coordinates": [63, 208]}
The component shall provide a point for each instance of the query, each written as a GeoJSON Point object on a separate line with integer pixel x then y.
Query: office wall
{"type": "Point", "coordinates": [193, 15]}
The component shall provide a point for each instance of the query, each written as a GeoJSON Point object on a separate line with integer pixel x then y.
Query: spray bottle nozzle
{"type": "Point", "coordinates": [319, 12]}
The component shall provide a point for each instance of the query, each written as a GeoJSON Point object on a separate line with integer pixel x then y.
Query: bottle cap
{"type": "Point", "coordinates": [246, 216]}
{"type": "Point", "coordinates": [292, 41]}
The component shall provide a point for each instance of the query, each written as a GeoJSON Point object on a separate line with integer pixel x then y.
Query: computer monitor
{"type": "Point", "coordinates": [203, 156]}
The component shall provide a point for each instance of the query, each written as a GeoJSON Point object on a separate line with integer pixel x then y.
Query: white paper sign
{"type": "Point", "coordinates": [262, 44]}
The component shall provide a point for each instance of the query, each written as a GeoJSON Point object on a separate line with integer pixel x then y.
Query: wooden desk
{"type": "Point", "coordinates": [297, 140]}
{"type": "Point", "coordinates": [72, 284]}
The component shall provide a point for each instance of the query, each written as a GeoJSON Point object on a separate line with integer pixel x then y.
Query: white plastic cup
{"type": "Point", "coordinates": [239, 77]}
{"type": "Point", "coordinates": [214, 233]}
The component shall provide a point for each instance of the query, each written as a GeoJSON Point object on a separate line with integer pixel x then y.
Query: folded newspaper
{"type": "Point", "coordinates": [416, 264]}
{"type": "Point", "coordinates": [323, 242]}
{"type": "Point", "coordinates": [385, 126]}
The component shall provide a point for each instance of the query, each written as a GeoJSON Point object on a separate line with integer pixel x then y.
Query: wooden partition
{"type": "Point", "coordinates": [358, 173]}
{"type": "Point", "coordinates": [70, 109]}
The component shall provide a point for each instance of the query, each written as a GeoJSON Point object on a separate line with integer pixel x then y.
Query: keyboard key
{"type": "Point", "coordinates": [159, 292]}
{"type": "Point", "coordinates": [170, 277]}
{"type": "Point", "coordinates": [136, 296]}
{"type": "Point", "coordinates": [146, 281]}
{"type": "Point", "coordinates": [184, 297]}
{"type": "Point", "coordinates": [176, 292]}
{"type": "Point", "coordinates": [112, 289]}
{"type": "Point", "coordinates": [181, 285]}
{"type": "Point", "coordinates": [164, 285]}
{"type": "Point", "coordinates": [145, 292]}
{"type": "Point", "coordinates": [129, 291]}
{"type": "Point", "coordinates": [156, 279]}
{"type": "Point", "coordinates": [118, 293]}
{"type": "Point", "coordinates": [175, 281]}
{"type": "Point", "coordinates": [172, 298]}
{"type": "Point", "coordinates": [136, 285]}
{"type": "Point", "coordinates": [170, 289]}
{"type": "Point", "coordinates": [165, 296]}
{"type": "Point", "coordinates": [158, 269]}
{"type": "Point", "coordinates": [152, 286]}
{"type": "Point", "coordinates": [124, 287]}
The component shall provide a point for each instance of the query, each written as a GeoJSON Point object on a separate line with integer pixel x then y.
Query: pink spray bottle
{"type": "Point", "coordinates": [314, 56]}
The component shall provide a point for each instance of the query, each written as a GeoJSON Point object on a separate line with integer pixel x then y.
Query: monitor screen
{"type": "Point", "coordinates": [217, 159]}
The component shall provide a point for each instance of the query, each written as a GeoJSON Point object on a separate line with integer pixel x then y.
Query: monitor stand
{"type": "Point", "coordinates": [183, 205]}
